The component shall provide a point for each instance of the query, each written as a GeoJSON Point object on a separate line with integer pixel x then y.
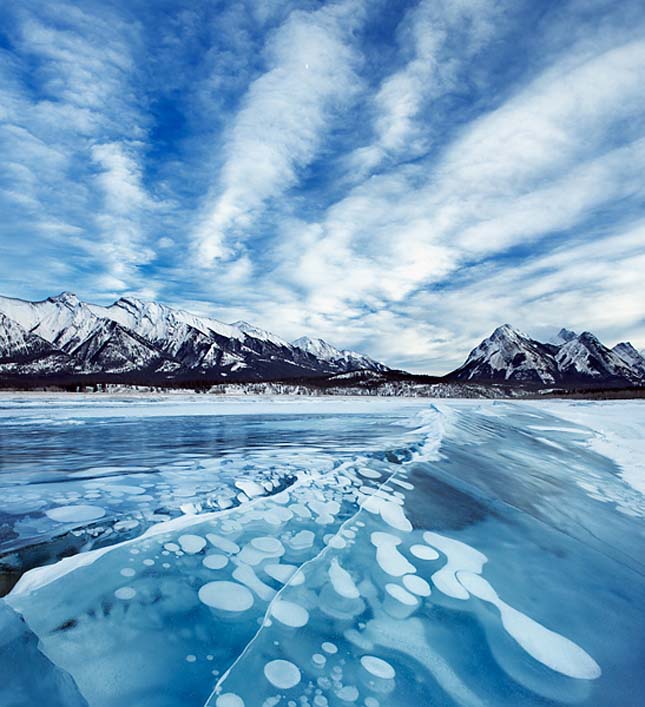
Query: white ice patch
{"type": "Point", "coordinates": [229, 699]}
{"type": "Point", "coordinates": [289, 613]}
{"type": "Point", "coordinates": [389, 559]}
{"type": "Point", "coordinates": [192, 544]}
{"type": "Point", "coordinates": [378, 667]}
{"type": "Point", "coordinates": [398, 593]}
{"type": "Point", "coordinates": [423, 552]}
{"type": "Point", "coordinates": [284, 574]}
{"type": "Point", "coordinates": [226, 596]}
{"type": "Point", "coordinates": [460, 557]}
{"type": "Point", "coordinates": [125, 593]}
{"type": "Point", "coordinates": [549, 648]}
{"type": "Point", "coordinates": [247, 576]}
{"type": "Point", "coordinates": [75, 514]}
{"type": "Point", "coordinates": [282, 674]}
{"type": "Point", "coordinates": [223, 544]}
{"type": "Point", "coordinates": [302, 540]}
{"type": "Point", "coordinates": [417, 585]}
{"type": "Point", "coordinates": [394, 516]}
{"type": "Point", "coordinates": [250, 488]}
{"type": "Point", "coordinates": [215, 561]}
{"type": "Point", "coordinates": [342, 581]}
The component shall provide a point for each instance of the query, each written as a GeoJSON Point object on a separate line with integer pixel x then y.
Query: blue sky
{"type": "Point", "coordinates": [398, 178]}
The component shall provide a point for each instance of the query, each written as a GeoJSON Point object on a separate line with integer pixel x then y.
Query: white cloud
{"type": "Point", "coordinates": [432, 71]}
{"type": "Point", "coordinates": [281, 124]}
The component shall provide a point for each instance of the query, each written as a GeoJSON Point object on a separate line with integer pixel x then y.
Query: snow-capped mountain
{"type": "Point", "coordinates": [148, 339]}
{"type": "Point", "coordinates": [509, 355]}
{"type": "Point", "coordinates": [585, 358]}
{"type": "Point", "coordinates": [633, 358]}
{"type": "Point", "coordinates": [563, 336]}
{"type": "Point", "coordinates": [342, 358]}
{"type": "Point", "coordinates": [22, 350]}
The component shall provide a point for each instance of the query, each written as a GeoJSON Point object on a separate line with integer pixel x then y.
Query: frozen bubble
{"type": "Point", "coordinates": [348, 693]}
{"type": "Point", "coordinates": [246, 575]}
{"type": "Point", "coordinates": [192, 544]}
{"type": "Point", "coordinates": [460, 557]}
{"type": "Point", "coordinates": [223, 544]}
{"type": "Point", "coordinates": [215, 561]}
{"type": "Point", "coordinates": [226, 596]}
{"type": "Point", "coordinates": [282, 674]}
{"type": "Point", "coordinates": [371, 702]}
{"type": "Point", "coordinates": [394, 516]}
{"type": "Point", "coordinates": [171, 547]}
{"type": "Point", "coordinates": [369, 473]}
{"type": "Point", "coordinates": [289, 613]}
{"type": "Point", "coordinates": [337, 542]}
{"type": "Point", "coordinates": [229, 699]}
{"type": "Point", "coordinates": [122, 488]}
{"type": "Point", "coordinates": [268, 545]}
{"type": "Point", "coordinates": [401, 595]}
{"type": "Point", "coordinates": [378, 667]}
{"type": "Point", "coordinates": [300, 510]}
{"type": "Point", "coordinates": [250, 488]}
{"type": "Point", "coordinates": [389, 559]}
{"type": "Point", "coordinates": [190, 658]}
{"type": "Point", "coordinates": [318, 659]}
{"type": "Point", "coordinates": [125, 593]}
{"type": "Point", "coordinates": [128, 572]}
{"type": "Point", "coordinates": [148, 562]}
{"type": "Point", "coordinates": [423, 552]}
{"type": "Point", "coordinates": [329, 648]}
{"type": "Point", "coordinates": [546, 646]}
{"type": "Point", "coordinates": [417, 585]}
{"type": "Point", "coordinates": [125, 524]}
{"type": "Point", "coordinates": [75, 514]}
{"type": "Point", "coordinates": [302, 540]}
{"type": "Point", "coordinates": [284, 574]}
{"type": "Point", "coordinates": [342, 581]}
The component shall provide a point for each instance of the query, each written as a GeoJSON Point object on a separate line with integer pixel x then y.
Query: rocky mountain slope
{"type": "Point", "coordinates": [63, 336]}
{"type": "Point", "coordinates": [510, 356]}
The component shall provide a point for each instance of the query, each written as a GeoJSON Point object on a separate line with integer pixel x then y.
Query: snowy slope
{"type": "Point", "coordinates": [133, 336]}
{"type": "Point", "coordinates": [347, 360]}
{"type": "Point", "coordinates": [633, 358]}
{"type": "Point", "coordinates": [585, 357]}
{"type": "Point", "coordinates": [157, 322]}
{"type": "Point", "coordinates": [563, 336]}
{"type": "Point", "coordinates": [20, 349]}
{"type": "Point", "coordinates": [509, 355]}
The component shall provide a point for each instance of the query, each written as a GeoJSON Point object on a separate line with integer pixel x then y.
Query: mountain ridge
{"type": "Point", "coordinates": [510, 356]}
{"type": "Point", "coordinates": [148, 339]}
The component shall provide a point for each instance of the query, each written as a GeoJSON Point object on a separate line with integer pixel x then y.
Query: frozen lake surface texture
{"type": "Point", "coordinates": [174, 551]}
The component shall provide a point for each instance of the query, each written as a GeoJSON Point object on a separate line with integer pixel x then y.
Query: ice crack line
{"type": "Point", "coordinates": [320, 555]}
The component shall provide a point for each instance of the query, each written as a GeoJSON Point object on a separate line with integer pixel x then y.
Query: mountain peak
{"type": "Point", "coordinates": [506, 331]}
{"type": "Point", "coordinates": [67, 298]}
{"type": "Point", "coordinates": [562, 337]}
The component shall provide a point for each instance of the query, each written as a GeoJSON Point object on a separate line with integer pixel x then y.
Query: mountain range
{"type": "Point", "coordinates": [511, 357]}
{"type": "Point", "coordinates": [62, 337]}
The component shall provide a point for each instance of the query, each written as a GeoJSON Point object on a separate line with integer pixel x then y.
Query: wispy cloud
{"type": "Point", "coordinates": [280, 126]}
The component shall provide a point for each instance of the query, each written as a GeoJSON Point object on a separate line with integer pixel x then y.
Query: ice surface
{"type": "Point", "coordinates": [437, 555]}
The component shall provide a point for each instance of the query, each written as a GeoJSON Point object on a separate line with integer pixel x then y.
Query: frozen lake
{"type": "Point", "coordinates": [176, 550]}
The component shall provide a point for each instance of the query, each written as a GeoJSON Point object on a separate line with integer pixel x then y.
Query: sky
{"type": "Point", "coordinates": [398, 178]}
